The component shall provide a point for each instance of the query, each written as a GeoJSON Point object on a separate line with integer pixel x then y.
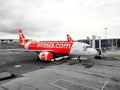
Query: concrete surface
{"type": "Point", "coordinates": [5, 75]}
{"type": "Point", "coordinates": [33, 74]}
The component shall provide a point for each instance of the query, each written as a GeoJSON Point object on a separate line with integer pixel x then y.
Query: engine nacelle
{"type": "Point", "coordinates": [46, 56]}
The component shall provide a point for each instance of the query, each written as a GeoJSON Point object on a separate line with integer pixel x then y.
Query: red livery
{"type": "Point", "coordinates": [48, 50]}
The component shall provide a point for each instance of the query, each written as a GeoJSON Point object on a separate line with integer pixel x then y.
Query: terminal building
{"type": "Point", "coordinates": [105, 43]}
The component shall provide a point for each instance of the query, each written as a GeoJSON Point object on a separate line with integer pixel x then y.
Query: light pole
{"type": "Point", "coordinates": [93, 41]}
{"type": "Point", "coordinates": [105, 32]}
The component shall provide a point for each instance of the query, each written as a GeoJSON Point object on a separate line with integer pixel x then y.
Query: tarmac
{"type": "Point", "coordinates": [32, 74]}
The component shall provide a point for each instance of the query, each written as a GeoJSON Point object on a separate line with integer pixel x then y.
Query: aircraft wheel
{"type": "Point", "coordinates": [79, 60]}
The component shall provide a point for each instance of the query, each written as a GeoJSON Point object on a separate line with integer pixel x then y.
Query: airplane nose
{"type": "Point", "coordinates": [94, 51]}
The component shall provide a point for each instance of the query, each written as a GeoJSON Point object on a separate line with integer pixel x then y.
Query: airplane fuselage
{"type": "Point", "coordinates": [66, 48]}
{"type": "Point", "coordinates": [48, 50]}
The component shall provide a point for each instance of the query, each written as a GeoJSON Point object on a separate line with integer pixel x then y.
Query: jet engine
{"type": "Point", "coordinates": [46, 56]}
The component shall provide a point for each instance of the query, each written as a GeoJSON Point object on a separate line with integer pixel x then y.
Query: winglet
{"type": "Point", "coordinates": [69, 38]}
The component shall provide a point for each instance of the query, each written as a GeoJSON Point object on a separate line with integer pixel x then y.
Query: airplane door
{"type": "Point", "coordinates": [75, 49]}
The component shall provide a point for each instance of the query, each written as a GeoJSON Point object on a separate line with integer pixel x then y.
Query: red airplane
{"type": "Point", "coordinates": [48, 50]}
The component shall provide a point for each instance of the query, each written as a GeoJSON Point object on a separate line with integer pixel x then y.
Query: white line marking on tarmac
{"type": "Point", "coordinates": [53, 83]}
{"type": "Point", "coordinates": [105, 83]}
{"type": "Point", "coordinates": [82, 85]}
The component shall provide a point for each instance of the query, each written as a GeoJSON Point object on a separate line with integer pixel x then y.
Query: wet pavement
{"type": "Point", "coordinates": [33, 74]}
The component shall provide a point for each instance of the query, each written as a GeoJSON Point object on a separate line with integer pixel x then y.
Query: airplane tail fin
{"type": "Point", "coordinates": [22, 40]}
{"type": "Point", "coordinates": [69, 38]}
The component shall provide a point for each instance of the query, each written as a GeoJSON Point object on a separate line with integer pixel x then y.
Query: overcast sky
{"type": "Point", "coordinates": [53, 19]}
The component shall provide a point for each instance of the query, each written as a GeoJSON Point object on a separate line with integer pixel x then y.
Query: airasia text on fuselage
{"type": "Point", "coordinates": [53, 45]}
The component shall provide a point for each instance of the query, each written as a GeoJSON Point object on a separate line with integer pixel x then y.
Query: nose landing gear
{"type": "Point", "coordinates": [79, 60]}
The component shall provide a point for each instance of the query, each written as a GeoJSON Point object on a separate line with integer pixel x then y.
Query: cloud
{"type": "Point", "coordinates": [27, 15]}
{"type": "Point", "coordinates": [46, 19]}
